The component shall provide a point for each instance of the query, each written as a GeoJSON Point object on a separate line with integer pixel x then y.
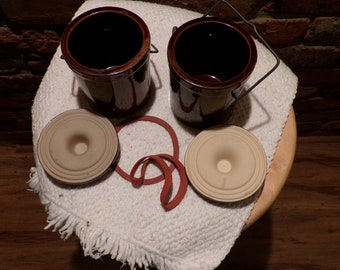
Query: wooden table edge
{"type": "Point", "coordinates": [279, 171]}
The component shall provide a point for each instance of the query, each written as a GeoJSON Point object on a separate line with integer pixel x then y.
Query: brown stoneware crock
{"type": "Point", "coordinates": [108, 50]}
{"type": "Point", "coordinates": [210, 60]}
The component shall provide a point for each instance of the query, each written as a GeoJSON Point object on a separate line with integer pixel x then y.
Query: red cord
{"type": "Point", "coordinates": [159, 159]}
{"type": "Point", "coordinates": [172, 134]}
{"type": "Point", "coordinates": [167, 187]}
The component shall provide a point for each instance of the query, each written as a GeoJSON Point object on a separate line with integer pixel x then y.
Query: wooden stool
{"type": "Point", "coordinates": [278, 172]}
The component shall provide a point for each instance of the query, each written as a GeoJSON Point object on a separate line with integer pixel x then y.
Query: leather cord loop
{"type": "Point", "coordinates": [163, 124]}
{"type": "Point", "coordinates": [167, 202]}
{"type": "Point", "coordinates": [168, 184]}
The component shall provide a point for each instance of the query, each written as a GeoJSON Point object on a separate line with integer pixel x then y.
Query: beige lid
{"type": "Point", "coordinates": [77, 146]}
{"type": "Point", "coordinates": [226, 163]}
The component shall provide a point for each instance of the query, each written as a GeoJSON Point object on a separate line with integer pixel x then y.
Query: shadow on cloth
{"type": "Point", "coordinates": [250, 252]}
{"type": "Point", "coordinates": [86, 103]}
{"type": "Point", "coordinates": [243, 106]}
{"type": "Point", "coordinates": [80, 262]}
{"type": "Point", "coordinates": [252, 249]}
{"type": "Point", "coordinates": [83, 263]}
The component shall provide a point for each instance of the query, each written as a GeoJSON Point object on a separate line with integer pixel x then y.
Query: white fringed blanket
{"type": "Point", "coordinates": [113, 218]}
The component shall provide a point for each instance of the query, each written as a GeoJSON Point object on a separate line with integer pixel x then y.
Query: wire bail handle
{"type": "Point", "coordinates": [258, 36]}
{"type": "Point", "coordinates": [154, 49]}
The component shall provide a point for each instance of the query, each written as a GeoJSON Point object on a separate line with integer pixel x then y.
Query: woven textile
{"type": "Point", "coordinates": [111, 217]}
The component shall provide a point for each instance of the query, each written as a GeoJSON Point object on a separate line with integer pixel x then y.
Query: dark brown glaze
{"type": "Point", "coordinates": [108, 50]}
{"type": "Point", "coordinates": [209, 59]}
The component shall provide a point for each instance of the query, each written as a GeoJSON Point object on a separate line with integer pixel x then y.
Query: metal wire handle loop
{"type": "Point", "coordinates": [261, 39]}
{"type": "Point", "coordinates": [154, 49]}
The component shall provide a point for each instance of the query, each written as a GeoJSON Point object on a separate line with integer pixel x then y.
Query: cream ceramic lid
{"type": "Point", "coordinates": [226, 163]}
{"type": "Point", "coordinates": [77, 146]}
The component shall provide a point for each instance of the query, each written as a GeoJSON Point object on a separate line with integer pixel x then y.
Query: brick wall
{"type": "Point", "coordinates": [305, 34]}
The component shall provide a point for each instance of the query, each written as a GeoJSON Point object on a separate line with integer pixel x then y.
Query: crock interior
{"type": "Point", "coordinates": [104, 40]}
{"type": "Point", "coordinates": [212, 50]}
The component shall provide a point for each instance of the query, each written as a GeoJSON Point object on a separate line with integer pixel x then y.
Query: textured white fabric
{"type": "Point", "coordinates": [111, 216]}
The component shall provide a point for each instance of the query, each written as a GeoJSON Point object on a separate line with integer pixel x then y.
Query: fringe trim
{"type": "Point", "coordinates": [34, 181]}
{"type": "Point", "coordinates": [96, 242]}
